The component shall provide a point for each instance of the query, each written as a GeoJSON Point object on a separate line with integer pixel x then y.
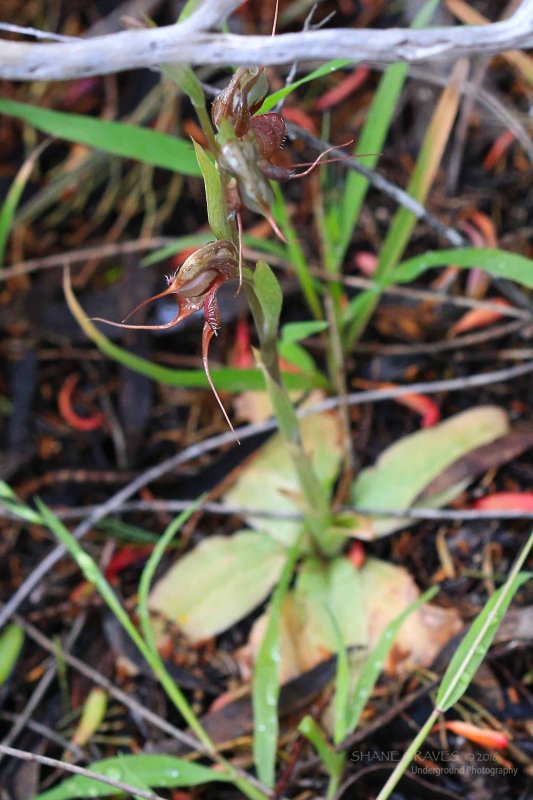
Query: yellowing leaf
{"type": "Point", "coordinates": [218, 582]}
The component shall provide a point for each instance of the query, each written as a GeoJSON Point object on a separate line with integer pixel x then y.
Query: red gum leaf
{"type": "Point", "coordinates": [178, 259]}
{"type": "Point", "coordinates": [484, 737]}
{"type": "Point", "coordinates": [299, 117]}
{"type": "Point", "coordinates": [64, 402]}
{"type": "Point", "coordinates": [478, 318]}
{"type": "Point", "coordinates": [366, 262]}
{"type": "Point", "coordinates": [79, 89]}
{"type": "Point", "coordinates": [124, 558]}
{"type": "Point", "coordinates": [498, 149]}
{"type": "Point", "coordinates": [356, 554]}
{"type": "Point", "coordinates": [423, 405]}
{"type": "Point", "coordinates": [343, 89]}
{"type": "Point", "coordinates": [242, 356]}
{"type": "Point", "coordinates": [505, 501]}
{"type": "Point", "coordinates": [486, 226]}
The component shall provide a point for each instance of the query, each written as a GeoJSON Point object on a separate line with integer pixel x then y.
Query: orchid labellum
{"type": "Point", "coordinates": [195, 285]}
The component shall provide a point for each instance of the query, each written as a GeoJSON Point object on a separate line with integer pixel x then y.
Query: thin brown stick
{"type": "Point", "coordinates": [24, 755]}
{"type": "Point", "coordinates": [85, 254]}
{"type": "Point", "coordinates": [430, 348]}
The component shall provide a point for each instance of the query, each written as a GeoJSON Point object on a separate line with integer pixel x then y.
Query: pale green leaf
{"type": "Point", "coordinates": [218, 583]}
{"type": "Point", "coordinates": [404, 470]}
{"type": "Point", "coordinates": [363, 603]}
{"type": "Point", "coordinates": [375, 661]}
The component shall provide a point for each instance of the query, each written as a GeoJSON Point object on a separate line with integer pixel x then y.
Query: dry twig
{"type": "Point", "coordinates": [189, 42]}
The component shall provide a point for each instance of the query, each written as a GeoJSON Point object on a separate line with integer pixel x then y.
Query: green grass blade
{"type": "Point", "coordinates": [119, 138]}
{"type": "Point", "coordinates": [9, 206]}
{"type": "Point", "coordinates": [424, 173]}
{"type": "Point", "coordinates": [371, 140]}
{"type": "Point", "coordinates": [11, 641]}
{"type": "Point", "coordinates": [342, 685]}
{"type": "Point", "coordinates": [477, 641]}
{"type": "Point", "coordinates": [296, 254]}
{"type": "Point", "coordinates": [331, 760]}
{"type": "Point", "coordinates": [274, 98]}
{"type": "Point", "coordinates": [464, 664]}
{"type": "Point", "coordinates": [373, 665]}
{"type": "Point", "coordinates": [91, 572]}
{"type": "Point", "coordinates": [266, 685]}
{"type": "Point", "coordinates": [499, 263]}
{"type": "Point", "coordinates": [12, 504]}
{"type": "Point", "coordinates": [137, 769]}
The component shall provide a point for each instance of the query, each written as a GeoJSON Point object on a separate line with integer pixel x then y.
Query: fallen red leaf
{"type": "Point", "coordinates": [478, 318]}
{"type": "Point", "coordinates": [299, 117]}
{"type": "Point", "coordinates": [485, 737]}
{"type": "Point", "coordinates": [505, 501]}
{"type": "Point", "coordinates": [343, 89]}
{"type": "Point", "coordinates": [124, 558]}
{"type": "Point", "coordinates": [71, 417]}
{"type": "Point", "coordinates": [356, 554]}
{"type": "Point", "coordinates": [242, 356]}
{"type": "Point", "coordinates": [421, 403]}
{"type": "Point", "coordinates": [498, 149]}
{"type": "Point", "coordinates": [366, 262]}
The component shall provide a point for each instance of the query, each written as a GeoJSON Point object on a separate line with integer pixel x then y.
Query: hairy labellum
{"type": "Point", "coordinates": [195, 285]}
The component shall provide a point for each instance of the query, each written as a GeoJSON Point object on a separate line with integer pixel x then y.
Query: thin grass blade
{"type": "Point", "coordinates": [119, 138]}
{"type": "Point", "coordinates": [9, 206]}
{"type": "Point", "coordinates": [266, 684]}
{"type": "Point", "coordinates": [476, 643]}
{"type": "Point", "coordinates": [499, 263]}
{"type": "Point", "coordinates": [373, 665]}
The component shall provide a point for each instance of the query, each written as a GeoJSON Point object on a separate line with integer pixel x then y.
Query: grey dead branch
{"type": "Point", "coordinates": [193, 42]}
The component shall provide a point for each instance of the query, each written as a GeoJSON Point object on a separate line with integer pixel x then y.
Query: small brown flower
{"type": "Point", "coordinates": [195, 285]}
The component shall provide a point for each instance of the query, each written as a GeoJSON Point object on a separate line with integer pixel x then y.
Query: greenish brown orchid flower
{"type": "Point", "coordinates": [195, 285]}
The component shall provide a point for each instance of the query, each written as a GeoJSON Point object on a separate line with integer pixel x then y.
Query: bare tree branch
{"type": "Point", "coordinates": [189, 42]}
